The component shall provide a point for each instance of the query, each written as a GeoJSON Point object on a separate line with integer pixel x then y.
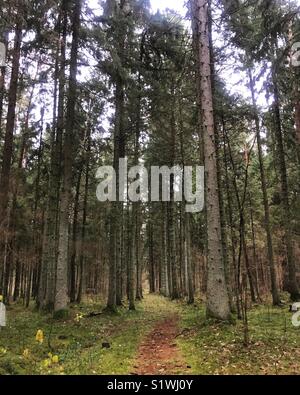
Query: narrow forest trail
{"type": "Point", "coordinates": [158, 354]}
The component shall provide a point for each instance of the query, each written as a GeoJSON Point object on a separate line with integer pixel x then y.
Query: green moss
{"type": "Point", "coordinates": [78, 342]}
{"type": "Point", "coordinates": [208, 347]}
{"type": "Point", "coordinates": [214, 348]}
{"type": "Point", "coordinates": [62, 314]}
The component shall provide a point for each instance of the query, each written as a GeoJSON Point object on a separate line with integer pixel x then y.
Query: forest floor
{"type": "Point", "coordinates": [160, 337]}
{"type": "Point", "coordinates": [159, 353]}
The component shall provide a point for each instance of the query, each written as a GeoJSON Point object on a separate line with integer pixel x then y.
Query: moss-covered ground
{"type": "Point", "coordinates": [109, 343]}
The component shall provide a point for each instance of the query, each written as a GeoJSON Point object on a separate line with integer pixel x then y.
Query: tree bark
{"type": "Point", "coordinates": [61, 296]}
{"type": "Point", "coordinates": [273, 275]}
{"type": "Point", "coordinates": [218, 305]}
{"type": "Point", "coordinates": [46, 294]}
{"type": "Point", "coordinates": [84, 216]}
{"type": "Point", "coordinates": [287, 218]}
{"type": "Point", "coordinates": [232, 227]}
{"type": "Point", "coordinates": [72, 276]}
{"type": "Point", "coordinates": [10, 124]}
{"type": "Point", "coordinates": [164, 290]}
{"type": "Point", "coordinates": [2, 85]}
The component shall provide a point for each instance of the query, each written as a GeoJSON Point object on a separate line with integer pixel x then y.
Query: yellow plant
{"type": "Point", "coordinates": [26, 353]}
{"type": "Point", "coordinates": [55, 359]}
{"type": "Point", "coordinates": [3, 351]}
{"type": "Point", "coordinates": [46, 363]}
{"type": "Point", "coordinates": [39, 337]}
{"type": "Point", "coordinates": [78, 317]}
{"type": "Point", "coordinates": [52, 360]}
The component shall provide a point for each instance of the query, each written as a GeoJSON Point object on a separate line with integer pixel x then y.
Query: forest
{"type": "Point", "coordinates": [144, 286]}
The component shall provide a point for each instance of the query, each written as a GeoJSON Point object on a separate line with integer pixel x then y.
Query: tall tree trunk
{"type": "Point", "coordinates": [242, 229]}
{"type": "Point", "coordinates": [248, 267]}
{"type": "Point", "coordinates": [116, 215]}
{"type": "Point", "coordinates": [7, 158]}
{"type": "Point", "coordinates": [296, 90]}
{"type": "Point", "coordinates": [232, 227]}
{"type": "Point", "coordinates": [138, 255]}
{"type": "Point", "coordinates": [187, 248]}
{"type": "Point", "coordinates": [61, 296]}
{"type": "Point", "coordinates": [297, 118]}
{"type": "Point", "coordinates": [132, 261]}
{"type": "Point", "coordinates": [287, 218]}
{"type": "Point", "coordinates": [21, 164]}
{"type": "Point", "coordinates": [10, 124]}
{"type": "Point", "coordinates": [223, 220]}
{"type": "Point", "coordinates": [73, 254]}
{"type": "Point", "coordinates": [84, 216]}
{"type": "Point", "coordinates": [37, 232]}
{"type": "Point", "coordinates": [116, 222]}
{"type": "Point", "coordinates": [217, 294]}
{"type": "Point", "coordinates": [2, 84]}
{"type": "Point", "coordinates": [185, 237]}
{"type": "Point", "coordinates": [175, 293]}
{"type": "Point", "coordinates": [255, 258]}
{"type": "Point", "coordinates": [152, 273]}
{"type": "Point", "coordinates": [137, 209]}
{"type": "Point", "coordinates": [46, 293]}
{"type": "Point", "coordinates": [164, 290]}
{"type": "Point", "coordinates": [273, 275]}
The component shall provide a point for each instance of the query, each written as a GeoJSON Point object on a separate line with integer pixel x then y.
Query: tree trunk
{"type": "Point", "coordinates": [132, 261]}
{"type": "Point", "coordinates": [273, 275]}
{"type": "Point", "coordinates": [297, 121]}
{"type": "Point", "coordinates": [287, 218]}
{"type": "Point", "coordinates": [151, 255]}
{"type": "Point", "coordinates": [164, 290]}
{"type": "Point", "coordinates": [187, 248]}
{"type": "Point", "coordinates": [255, 259]}
{"type": "Point", "coordinates": [217, 294]}
{"type": "Point", "coordinates": [175, 294]}
{"type": "Point", "coordinates": [10, 124]}
{"type": "Point", "coordinates": [232, 226]}
{"type": "Point", "coordinates": [61, 296]}
{"type": "Point", "coordinates": [72, 286]}
{"type": "Point", "coordinates": [84, 216]}
{"type": "Point", "coordinates": [116, 220]}
{"type": "Point", "coordinates": [46, 294]}
{"type": "Point", "coordinates": [2, 85]}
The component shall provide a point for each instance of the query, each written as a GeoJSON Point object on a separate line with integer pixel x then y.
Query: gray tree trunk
{"type": "Point", "coordinates": [287, 218]}
{"type": "Point", "coordinates": [218, 305]}
{"type": "Point", "coordinates": [273, 274]}
{"type": "Point", "coordinates": [61, 294]}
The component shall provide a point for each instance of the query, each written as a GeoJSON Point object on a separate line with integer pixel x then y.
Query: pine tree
{"type": "Point", "coordinates": [217, 294]}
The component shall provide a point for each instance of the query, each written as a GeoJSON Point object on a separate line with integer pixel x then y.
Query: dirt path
{"type": "Point", "coordinates": [158, 354]}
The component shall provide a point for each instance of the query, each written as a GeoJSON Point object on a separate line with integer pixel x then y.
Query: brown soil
{"type": "Point", "coordinates": [158, 354]}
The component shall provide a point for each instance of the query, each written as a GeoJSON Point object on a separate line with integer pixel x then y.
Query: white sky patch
{"type": "Point", "coordinates": [236, 80]}
{"type": "Point", "coordinates": [95, 6]}
{"type": "Point", "coordinates": [178, 5]}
